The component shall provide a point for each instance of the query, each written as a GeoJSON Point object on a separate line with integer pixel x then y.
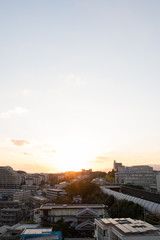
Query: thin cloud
{"type": "Point", "coordinates": [102, 158]}
{"type": "Point", "coordinates": [47, 151]}
{"type": "Point", "coordinates": [97, 161]}
{"type": "Point", "coordinates": [28, 154]}
{"type": "Point", "coordinates": [19, 143]}
{"type": "Point", "coordinates": [15, 111]}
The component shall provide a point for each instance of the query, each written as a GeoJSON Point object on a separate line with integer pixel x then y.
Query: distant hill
{"type": "Point", "coordinates": [20, 172]}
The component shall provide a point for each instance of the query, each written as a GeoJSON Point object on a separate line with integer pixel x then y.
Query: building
{"type": "Point", "coordinates": [33, 188]}
{"type": "Point", "coordinates": [29, 181]}
{"type": "Point", "coordinates": [158, 182]}
{"type": "Point", "coordinates": [137, 175]}
{"type": "Point", "coordinates": [124, 229]}
{"type": "Point", "coordinates": [37, 201]}
{"type": "Point", "coordinates": [10, 204]}
{"type": "Point", "coordinates": [150, 206]}
{"type": "Point", "coordinates": [41, 233]}
{"type": "Point", "coordinates": [77, 199]}
{"type": "Point", "coordinates": [28, 231]}
{"type": "Point", "coordinates": [7, 193]}
{"type": "Point", "coordinates": [10, 216]}
{"type": "Point", "coordinates": [99, 181]}
{"type": "Point", "coordinates": [80, 216]}
{"type": "Point", "coordinates": [9, 179]}
{"type": "Point", "coordinates": [11, 234]}
{"type": "Point", "coordinates": [22, 196]}
{"type": "Point", "coordinates": [117, 166]}
{"type": "Point", "coordinates": [61, 185]}
{"type": "Point", "coordinates": [53, 193]}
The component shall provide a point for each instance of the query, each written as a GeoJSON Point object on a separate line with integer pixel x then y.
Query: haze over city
{"type": "Point", "coordinates": [80, 84]}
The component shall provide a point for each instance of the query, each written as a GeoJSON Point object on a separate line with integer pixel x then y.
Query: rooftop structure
{"type": "Point", "coordinates": [41, 233]}
{"type": "Point", "coordinates": [125, 228]}
{"type": "Point", "coordinates": [148, 205]}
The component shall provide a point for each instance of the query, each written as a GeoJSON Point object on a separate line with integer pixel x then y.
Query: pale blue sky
{"type": "Point", "coordinates": [81, 78]}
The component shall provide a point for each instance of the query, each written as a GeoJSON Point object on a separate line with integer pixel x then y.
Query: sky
{"type": "Point", "coordinates": [79, 84]}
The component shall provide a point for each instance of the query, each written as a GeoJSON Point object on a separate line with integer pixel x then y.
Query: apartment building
{"type": "Point", "coordinates": [124, 229]}
{"type": "Point", "coordinates": [22, 196]}
{"type": "Point", "coordinates": [54, 193]}
{"type": "Point", "coordinates": [158, 182]}
{"type": "Point", "coordinates": [10, 216]}
{"type": "Point", "coordinates": [9, 179]}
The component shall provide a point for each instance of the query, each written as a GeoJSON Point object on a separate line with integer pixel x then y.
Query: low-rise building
{"type": "Point", "coordinates": [53, 193]}
{"type": "Point", "coordinates": [37, 201]}
{"type": "Point", "coordinates": [80, 216]}
{"type": "Point", "coordinates": [77, 199]}
{"type": "Point", "coordinates": [11, 234]}
{"type": "Point", "coordinates": [41, 233]}
{"type": "Point", "coordinates": [124, 229]}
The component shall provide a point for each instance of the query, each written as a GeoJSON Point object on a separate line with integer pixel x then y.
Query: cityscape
{"type": "Point", "coordinates": [79, 120]}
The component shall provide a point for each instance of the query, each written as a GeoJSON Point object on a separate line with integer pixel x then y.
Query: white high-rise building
{"type": "Point", "coordinates": [138, 175]}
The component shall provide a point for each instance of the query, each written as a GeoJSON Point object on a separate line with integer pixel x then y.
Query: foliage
{"type": "Point", "coordinates": [110, 176]}
{"type": "Point", "coordinates": [63, 227]}
{"type": "Point", "coordinates": [53, 179]}
{"type": "Point", "coordinates": [152, 219]}
{"type": "Point", "coordinates": [90, 192]}
{"type": "Point", "coordinates": [124, 208]}
{"type": "Point", "coordinates": [134, 186]}
{"type": "Point", "coordinates": [97, 174]}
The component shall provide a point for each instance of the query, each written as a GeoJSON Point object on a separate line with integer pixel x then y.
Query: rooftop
{"type": "Point", "coordinates": [51, 206]}
{"type": "Point", "coordinates": [130, 226]}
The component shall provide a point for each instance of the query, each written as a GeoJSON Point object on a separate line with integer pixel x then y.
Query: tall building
{"type": "Point", "coordinates": [9, 178]}
{"type": "Point", "coordinates": [142, 175]}
{"type": "Point", "coordinates": [117, 166]}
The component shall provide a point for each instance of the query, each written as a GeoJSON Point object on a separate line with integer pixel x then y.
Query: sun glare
{"type": "Point", "coordinates": [74, 156]}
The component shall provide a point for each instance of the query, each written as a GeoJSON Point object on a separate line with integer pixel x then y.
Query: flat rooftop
{"type": "Point", "coordinates": [130, 226]}
{"type": "Point", "coordinates": [37, 231]}
{"type": "Point", "coordinates": [54, 206]}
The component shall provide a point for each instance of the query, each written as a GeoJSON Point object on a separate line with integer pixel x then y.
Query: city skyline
{"type": "Point", "coordinates": [79, 84]}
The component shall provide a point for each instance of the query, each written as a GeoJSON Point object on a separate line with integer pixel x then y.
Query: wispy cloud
{"type": "Point", "coordinates": [77, 80]}
{"type": "Point", "coordinates": [15, 111]}
{"type": "Point", "coordinates": [28, 154]}
{"type": "Point", "coordinates": [97, 161]}
{"type": "Point", "coordinates": [101, 158]}
{"type": "Point", "coordinates": [19, 143]}
{"type": "Point", "coordinates": [48, 151]}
